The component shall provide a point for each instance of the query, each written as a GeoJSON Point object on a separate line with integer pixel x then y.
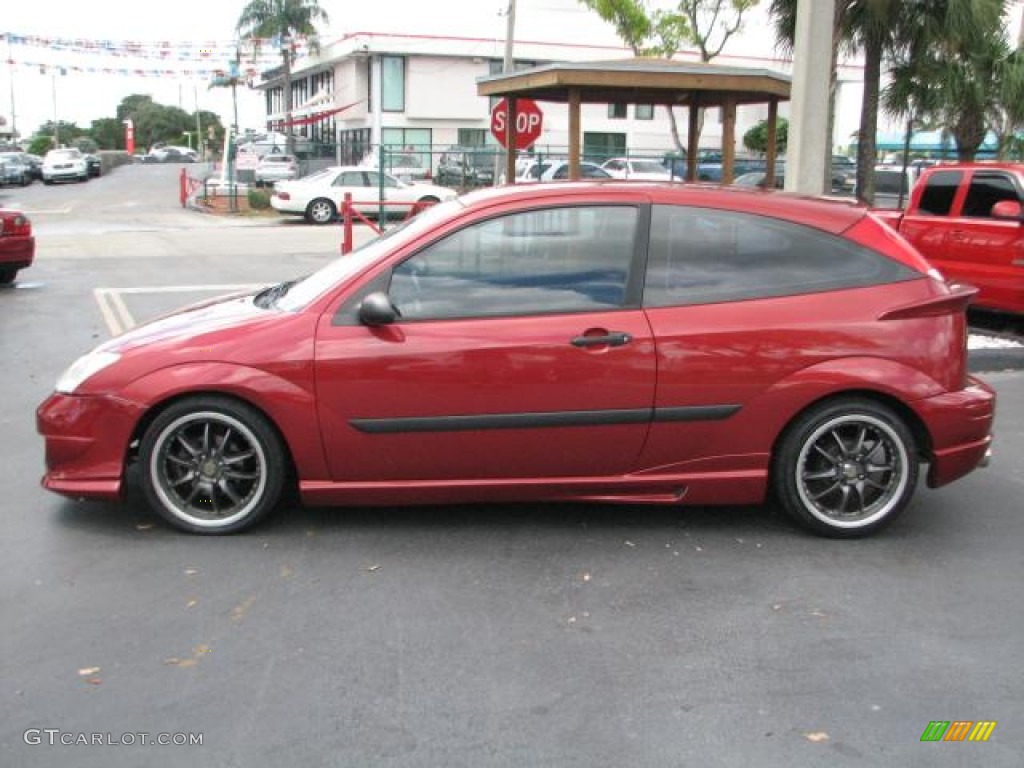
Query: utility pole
{"type": "Point", "coordinates": [56, 125]}
{"type": "Point", "coordinates": [200, 144]}
{"type": "Point", "coordinates": [510, 33]}
{"type": "Point", "coordinates": [14, 110]}
{"type": "Point", "coordinates": [507, 158]}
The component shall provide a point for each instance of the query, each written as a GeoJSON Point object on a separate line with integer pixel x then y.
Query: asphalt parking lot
{"type": "Point", "coordinates": [528, 635]}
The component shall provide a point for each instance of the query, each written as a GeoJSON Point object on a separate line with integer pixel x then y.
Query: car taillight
{"type": "Point", "coordinates": [283, 195]}
{"type": "Point", "coordinates": [16, 226]}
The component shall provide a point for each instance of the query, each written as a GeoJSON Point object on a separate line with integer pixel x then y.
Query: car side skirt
{"type": "Point", "coordinates": [705, 489]}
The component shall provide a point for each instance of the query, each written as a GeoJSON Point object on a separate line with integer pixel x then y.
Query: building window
{"type": "Point", "coordinates": [598, 147]}
{"type": "Point", "coordinates": [644, 111]}
{"type": "Point", "coordinates": [416, 141]}
{"type": "Point", "coordinates": [617, 111]}
{"type": "Point", "coordinates": [473, 137]}
{"type": "Point", "coordinates": [392, 70]}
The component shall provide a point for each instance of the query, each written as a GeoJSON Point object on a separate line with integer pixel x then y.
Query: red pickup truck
{"type": "Point", "coordinates": [17, 245]}
{"type": "Point", "coordinates": [967, 219]}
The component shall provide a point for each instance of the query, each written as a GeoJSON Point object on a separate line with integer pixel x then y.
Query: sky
{"type": "Point", "coordinates": [82, 96]}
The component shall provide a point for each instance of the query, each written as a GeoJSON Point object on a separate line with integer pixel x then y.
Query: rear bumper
{"type": "Point", "coordinates": [960, 425]}
{"type": "Point", "coordinates": [87, 440]}
{"type": "Point", "coordinates": [17, 251]}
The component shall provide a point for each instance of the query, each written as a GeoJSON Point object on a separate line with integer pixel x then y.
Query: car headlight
{"type": "Point", "coordinates": [83, 368]}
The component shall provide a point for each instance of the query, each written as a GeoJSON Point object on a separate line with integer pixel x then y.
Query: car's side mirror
{"type": "Point", "coordinates": [377, 309]}
{"type": "Point", "coordinates": [1009, 210]}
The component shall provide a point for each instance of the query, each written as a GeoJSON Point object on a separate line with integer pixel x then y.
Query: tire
{"type": "Point", "coordinates": [423, 203]}
{"type": "Point", "coordinates": [7, 276]}
{"type": "Point", "coordinates": [846, 468]}
{"type": "Point", "coordinates": [321, 211]}
{"type": "Point", "coordinates": [211, 465]}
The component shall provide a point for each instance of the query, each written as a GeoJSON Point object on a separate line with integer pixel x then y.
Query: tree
{"type": "Point", "coordinates": [959, 73]}
{"type": "Point", "coordinates": [878, 29]}
{"type": "Point", "coordinates": [108, 133]}
{"type": "Point", "coordinates": [756, 139]}
{"type": "Point", "coordinates": [708, 24]}
{"type": "Point", "coordinates": [283, 20]}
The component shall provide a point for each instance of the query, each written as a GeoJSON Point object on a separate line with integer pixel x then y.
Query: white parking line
{"type": "Point", "coordinates": [119, 319]}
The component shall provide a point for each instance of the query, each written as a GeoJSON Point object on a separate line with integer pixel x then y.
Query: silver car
{"type": "Point", "coordinates": [275, 167]}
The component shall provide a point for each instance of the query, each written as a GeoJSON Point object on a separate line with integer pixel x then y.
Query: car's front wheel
{"type": "Point", "coordinates": [846, 468]}
{"type": "Point", "coordinates": [7, 276]}
{"type": "Point", "coordinates": [321, 211]}
{"type": "Point", "coordinates": [211, 465]}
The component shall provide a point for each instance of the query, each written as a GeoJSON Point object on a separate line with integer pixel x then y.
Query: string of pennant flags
{"type": "Point", "coordinates": [199, 73]}
{"type": "Point", "coordinates": [183, 50]}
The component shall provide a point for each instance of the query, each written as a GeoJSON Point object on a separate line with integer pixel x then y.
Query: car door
{"type": "Point", "coordinates": [928, 225]}
{"type": "Point", "coordinates": [986, 252]}
{"type": "Point", "coordinates": [738, 303]}
{"type": "Point", "coordinates": [521, 352]}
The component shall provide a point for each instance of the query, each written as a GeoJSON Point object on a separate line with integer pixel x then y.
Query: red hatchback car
{"type": "Point", "coordinates": [17, 244]}
{"type": "Point", "coordinates": [599, 342]}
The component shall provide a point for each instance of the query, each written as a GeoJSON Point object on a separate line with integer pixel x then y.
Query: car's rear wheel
{"type": "Point", "coordinates": [211, 465]}
{"type": "Point", "coordinates": [321, 211]}
{"type": "Point", "coordinates": [846, 468]}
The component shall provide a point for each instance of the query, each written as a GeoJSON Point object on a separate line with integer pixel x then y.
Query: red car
{"type": "Point", "coordinates": [610, 341]}
{"type": "Point", "coordinates": [17, 245]}
{"type": "Point", "coordinates": [967, 219]}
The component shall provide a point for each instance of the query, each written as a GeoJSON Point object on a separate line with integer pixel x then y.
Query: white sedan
{"type": "Point", "coordinates": [637, 169]}
{"type": "Point", "coordinates": [319, 196]}
{"type": "Point", "coordinates": [64, 164]}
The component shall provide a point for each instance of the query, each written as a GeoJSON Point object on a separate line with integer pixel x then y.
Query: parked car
{"type": "Point", "coordinates": [406, 166]}
{"type": "Point", "coordinates": [560, 171]}
{"type": "Point", "coordinates": [35, 164]}
{"type": "Point", "coordinates": [968, 220]}
{"type": "Point", "coordinates": [637, 169]}
{"type": "Point", "coordinates": [841, 183]}
{"type": "Point", "coordinates": [64, 165]}
{"type": "Point", "coordinates": [663, 343]}
{"type": "Point", "coordinates": [17, 244]}
{"type": "Point", "coordinates": [273, 168]}
{"type": "Point", "coordinates": [467, 166]}
{"type": "Point", "coordinates": [274, 142]}
{"type": "Point", "coordinates": [93, 165]}
{"type": "Point", "coordinates": [170, 154]}
{"type": "Point", "coordinates": [14, 170]}
{"type": "Point", "coordinates": [318, 197]}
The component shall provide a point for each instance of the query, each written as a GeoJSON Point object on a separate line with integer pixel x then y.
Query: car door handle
{"type": "Point", "coordinates": [612, 339]}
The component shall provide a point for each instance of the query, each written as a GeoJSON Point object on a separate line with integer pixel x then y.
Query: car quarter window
{"type": "Point", "coordinates": [705, 256]}
{"type": "Point", "coordinates": [939, 191]}
{"type": "Point", "coordinates": [374, 179]}
{"type": "Point", "coordinates": [553, 260]}
{"type": "Point", "coordinates": [988, 188]}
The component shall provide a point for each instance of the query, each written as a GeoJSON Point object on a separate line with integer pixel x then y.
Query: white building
{"type": "Point", "coordinates": [425, 82]}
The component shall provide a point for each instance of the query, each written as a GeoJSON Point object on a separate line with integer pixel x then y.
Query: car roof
{"type": "Point", "coordinates": [830, 215]}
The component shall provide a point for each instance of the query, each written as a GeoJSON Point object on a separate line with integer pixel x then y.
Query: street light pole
{"type": "Point", "coordinates": [56, 125]}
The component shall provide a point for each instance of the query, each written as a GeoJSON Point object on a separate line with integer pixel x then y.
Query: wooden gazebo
{"type": "Point", "coordinates": [646, 81]}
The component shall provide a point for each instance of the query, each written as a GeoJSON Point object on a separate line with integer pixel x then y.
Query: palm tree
{"type": "Point", "coordinates": [879, 29]}
{"type": "Point", "coordinates": [958, 71]}
{"type": "Point", "coordinates": [284, 20]}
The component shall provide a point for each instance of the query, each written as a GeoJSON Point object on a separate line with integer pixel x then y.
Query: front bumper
{"type": "Point", "coordinates": [87, 439]}
{"type": "Point", "coordinates": [960, 425]}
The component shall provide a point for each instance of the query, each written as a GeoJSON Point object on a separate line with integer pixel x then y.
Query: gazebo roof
{"type": "Point", "coordinates": [640, 81]}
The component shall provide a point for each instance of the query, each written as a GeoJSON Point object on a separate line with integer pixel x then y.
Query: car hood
{"type": "Point", "coordinates": [194, 324]}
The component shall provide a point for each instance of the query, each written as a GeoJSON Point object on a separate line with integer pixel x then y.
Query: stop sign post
{"type": "Point", "coordinates": [529, 122]}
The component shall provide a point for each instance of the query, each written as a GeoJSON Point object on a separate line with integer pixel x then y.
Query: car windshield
{"type": "Point", "coordinates": [341, 269]}
{"type": "Point", "coordinates": [324, 175]}
{"type": "Point", "coordinates": [647, 166]}
{"type": "Point", "coordinates": [63, 154]}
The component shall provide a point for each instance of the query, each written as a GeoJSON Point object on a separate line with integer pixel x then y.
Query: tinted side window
{"type": "Point", "coordinates": [704, 256]}
{"type": "Point", "coordinates": [553, 260]}
{"type": "Point", "coordinates": [986, 190]}
{"type": "Point", "coordinates": [937, 196]}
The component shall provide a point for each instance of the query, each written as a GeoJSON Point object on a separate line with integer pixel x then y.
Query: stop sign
{"type": "Point", "coordinates": [529, 122]}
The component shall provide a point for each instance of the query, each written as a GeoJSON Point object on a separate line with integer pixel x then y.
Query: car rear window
{"type": "Point", "coordinates": [705, 256]}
